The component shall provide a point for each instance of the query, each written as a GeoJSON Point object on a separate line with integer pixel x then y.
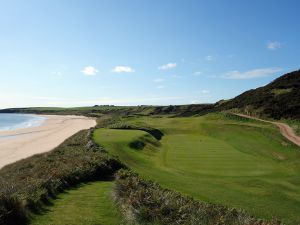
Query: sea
{"type": "Point", "coordinates": [12, 121]}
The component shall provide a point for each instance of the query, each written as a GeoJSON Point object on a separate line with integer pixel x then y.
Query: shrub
{"type": "Point", "coordinates": [145, 202]}
{"type": "Point", "coordinates": [27, 184]}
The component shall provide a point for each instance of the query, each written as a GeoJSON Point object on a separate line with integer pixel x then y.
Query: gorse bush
{"type": "Point", "coordinates": [145, 202]}
{"type": "Point", "coordinates": [279, 99]}
{"type": "Point", "coordinates": [27, 184]}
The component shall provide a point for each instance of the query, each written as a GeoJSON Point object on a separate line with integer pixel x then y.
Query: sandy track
{"type": "Point", "coordinates": [22, 143]}
{"type": "Point", "coordinates": [285, 129]}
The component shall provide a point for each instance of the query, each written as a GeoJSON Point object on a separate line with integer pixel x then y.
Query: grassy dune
{"type": "Point", "coordinates": [216, 158]}
{"type": "Point", "coordinates": [88, 204]}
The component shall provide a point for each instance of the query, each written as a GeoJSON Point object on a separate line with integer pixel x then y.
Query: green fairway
{"type": "Point", "coordinates": [219, 159]}
{"type": "Point", "coordinates": [88, 204]}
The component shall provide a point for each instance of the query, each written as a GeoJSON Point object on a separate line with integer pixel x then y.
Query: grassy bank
{"type": "Point", "coordinates": [218, 159]}
{"type": "Point", "coordinates": [87, 204]}
{"type": "Point", "coordinates": [145, 202]}
{"type": "Point", "coordinates": [27, 184]}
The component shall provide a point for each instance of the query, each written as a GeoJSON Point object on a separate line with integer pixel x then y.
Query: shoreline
{"type": "Point", "coordinates": [35, 121]}
{"type": "Point", "coordinates": [24, 142]}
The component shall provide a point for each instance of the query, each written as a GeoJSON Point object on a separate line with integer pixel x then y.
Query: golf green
{"type": "Point", "coordinates": [215, 158]}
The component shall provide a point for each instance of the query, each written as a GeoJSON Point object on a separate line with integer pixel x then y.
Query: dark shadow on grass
{"type": "Point", "coordinates": [45, 204]}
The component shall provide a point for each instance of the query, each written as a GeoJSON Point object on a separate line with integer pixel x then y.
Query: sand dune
{"type": "Point", "coordinates": [22, 143]}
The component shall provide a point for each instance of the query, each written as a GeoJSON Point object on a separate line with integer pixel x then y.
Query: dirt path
{"type": "Point", "coordinates": [285, 129]}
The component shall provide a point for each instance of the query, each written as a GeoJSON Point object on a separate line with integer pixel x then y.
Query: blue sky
{"type": "Point", "coordinates": [131, 52]}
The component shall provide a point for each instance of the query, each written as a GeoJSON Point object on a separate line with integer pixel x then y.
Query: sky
{"type": "Point", "coordinates": [142, 52]}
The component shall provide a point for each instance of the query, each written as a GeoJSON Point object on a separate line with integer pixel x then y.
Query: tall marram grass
{"type": "Point", "coordinates": [145, 202]}
{"type": "Point", "coordinates": [27, 184]}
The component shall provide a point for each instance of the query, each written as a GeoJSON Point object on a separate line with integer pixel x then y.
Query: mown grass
{"type": "Point", "coordinates": [88, 204]}
{"type": "Point", "coordinates": [234, 162]}
{"type": "Point", "coordinates": [146, 202]}
{"type": "Point", "coordinates": [25, 186]}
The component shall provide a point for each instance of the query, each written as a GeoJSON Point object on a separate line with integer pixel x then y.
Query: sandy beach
{"type": "Point", "coordinates": [22, 143]}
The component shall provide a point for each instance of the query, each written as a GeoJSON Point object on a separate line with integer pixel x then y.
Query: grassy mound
{"type": "Point", "coordinates": [26, 184]}
{"type": "Point", "coordinates": [156, 133]}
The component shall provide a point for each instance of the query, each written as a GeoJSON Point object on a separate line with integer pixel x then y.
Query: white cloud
{"type": "Point", "coordinates": [194, 101]}
{"type": "Point", "coordinates": [57, 73]}
{"type": "Point", "coordinates": [274, 45]}
{"type": "Point", "coordinates": [123, 69]}
{"type": "Point", "coordinates": [167, 66]}
{"type": "Point", "coordinates": [197, 73]}
{"type": "Point", "coordinates": [13, 100]}
{"type": "Point", "coordinates": [250, 74]}
{"type": "Point", "coordinates": [205, 91]}
{"type": "Point", "coordinates": [177, 76]}
{"type": "Point", "coordinates": [160, 87]}
{"type": "Point", "coordinates": [209, 58]}
{"type": "Point", "coordinates": [158, 80]}
{"type": "Point", "coordinates": [90, 71]}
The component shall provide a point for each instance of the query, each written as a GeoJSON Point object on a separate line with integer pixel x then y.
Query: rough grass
{"type": "Point", "coordinates": [279, 99]}
{"type": "Point", "coordinates": [126, 111]}
{"type": "Point", "coordinates": [88, 204]}
{"type": "Point", "coordinates": [281, 91]}
{"type": "Point", "coordinates": [295, 124]}
{"type": "Point", "coordinates": [241, 164]}
{"type": "Point", "coordinates": [27, 184]}
{"type": "Point", "coordinates": [145, 202]}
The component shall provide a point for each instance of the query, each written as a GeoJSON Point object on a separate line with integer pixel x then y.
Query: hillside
{"type": "Point", "coordinates": [99, 110]}
{"type": "Point", "coordinates": [203, 156]}
{"type": "Point", "coordinates": [279, 99]}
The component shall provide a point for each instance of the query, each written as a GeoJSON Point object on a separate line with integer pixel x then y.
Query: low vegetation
{"type": "Point", "coordinates": [145, 202]}
{"type": "Point", "coordinates": [156, 133]}
{"type": "Point", "coordinates": [102, 110]}
{"type": "Point", "coordinates": [278, 100]}
{"type": "Point", "coordinates": [277, 92]}
{"type": "Point", "coordinates": [86, 204]}
{"type": "Point", "coordinates": [294, 124]}
{"type": "Point", "coordinates": [222, 161]}
{"type": "Point", "coordinates": [27, 184]}
{"type": "Point", "coordinates": [203, 156]}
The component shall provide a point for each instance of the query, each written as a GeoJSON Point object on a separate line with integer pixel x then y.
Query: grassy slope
{"type": "Point", "coordinates": [88, 204]}
{"type": "Point", "coordinates": [242, 164]}
{"type": "Point", "coordinates": [26, 184]}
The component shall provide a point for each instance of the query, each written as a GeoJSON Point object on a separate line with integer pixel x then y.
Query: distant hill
{"type": "Point", "coordinates": [279, 99]}
{"type": "Point", "coordinates": [99, 110]}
